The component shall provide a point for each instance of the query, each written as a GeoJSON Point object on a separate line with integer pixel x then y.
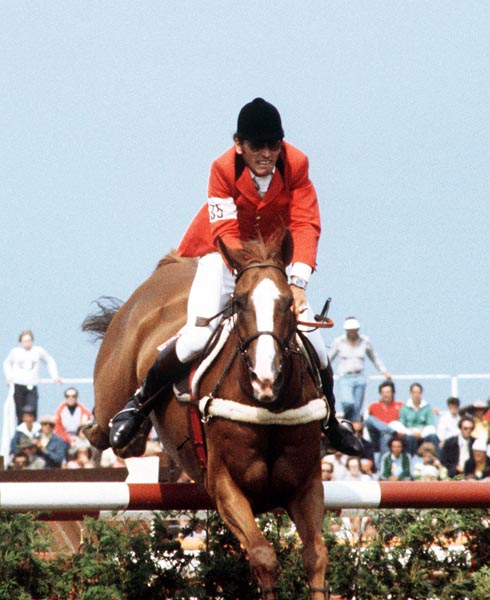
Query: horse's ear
{"type": "Point", "coordinates": [231, 255]}
{"type": "Point", "coordinates": [287, 247]}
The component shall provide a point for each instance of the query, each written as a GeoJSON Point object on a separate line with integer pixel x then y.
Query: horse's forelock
{"type": "Point", "coordinates": [261, 250]}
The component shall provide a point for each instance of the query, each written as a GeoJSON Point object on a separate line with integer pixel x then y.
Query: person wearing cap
{"type": "Point", "coordinates": [477, 411]}
{"type": "Point", "coordinates": [29, 428]}
{"type": "Point", "coordinates": [352, 348]}
{"type": "Point", "coordinates": [478, 465]}
{"type": "Point", "coordinates": [259, 184]}
{"type": "Point", "coordinates": [29, 449]}
{"type": "Point", "coordinates": [52, 448]}
{"type": "Point", "coordinates": [21, 368]}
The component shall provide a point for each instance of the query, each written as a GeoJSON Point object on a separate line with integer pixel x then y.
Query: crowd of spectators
{"type": "Point", "coordinates": [401, 440]}
{"type": "Point", "coordinates": [411, 440]}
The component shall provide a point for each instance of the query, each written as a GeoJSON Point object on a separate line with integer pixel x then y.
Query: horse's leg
{"type": "Point", "coordinates": [307, 511]}
{"type": "Point", "coordinates": [236, 512]}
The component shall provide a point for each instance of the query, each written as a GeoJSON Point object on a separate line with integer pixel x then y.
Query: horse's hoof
{"type": "Point", "coordinates": [97, 437]}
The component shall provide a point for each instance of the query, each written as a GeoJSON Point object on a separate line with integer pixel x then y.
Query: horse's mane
{"type": "Point", "coordinates": [171, 258]}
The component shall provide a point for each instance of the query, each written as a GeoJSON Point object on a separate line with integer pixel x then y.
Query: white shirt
{"type": "Point", "coordinates": [464, 451]}
{"type": "Point", "coordinates": [22, 366]}
{"type": "Point", "coordinates": [353, 357]}
{"type": "Point", "coordinates": [448, 425]}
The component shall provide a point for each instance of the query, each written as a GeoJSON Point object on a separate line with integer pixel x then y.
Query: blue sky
{"type": "Point", "coordinates": [112, 112]}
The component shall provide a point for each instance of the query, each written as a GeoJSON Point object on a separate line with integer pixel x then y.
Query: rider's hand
{"type": "Point", "coordinates": [299, 301]}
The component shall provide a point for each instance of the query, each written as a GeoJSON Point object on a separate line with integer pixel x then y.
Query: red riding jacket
{"type": "Point", "coordinates": [236, 212]}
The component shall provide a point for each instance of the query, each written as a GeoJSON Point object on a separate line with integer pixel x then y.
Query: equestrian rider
{"type": "Point", "coordinates": [260, 182]}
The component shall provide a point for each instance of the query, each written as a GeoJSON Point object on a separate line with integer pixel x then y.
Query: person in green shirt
{"type": "Point", "coordinates": [396, 464]}
{"type": "Point", "coordinates": [419, 421]}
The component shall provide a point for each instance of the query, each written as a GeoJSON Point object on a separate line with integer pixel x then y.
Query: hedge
{"type": "Point", "coordinates": [417, 555]}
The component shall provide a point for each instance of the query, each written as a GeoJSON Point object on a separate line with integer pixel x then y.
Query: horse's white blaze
{"type": "Point", "coordinates": [264, 297]}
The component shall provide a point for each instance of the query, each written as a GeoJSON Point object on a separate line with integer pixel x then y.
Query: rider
{"type": "Point", "coordinates": [259, 183]}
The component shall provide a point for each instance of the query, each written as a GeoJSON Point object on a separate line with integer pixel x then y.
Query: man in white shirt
{"type": "Point", "coordinates": [21, 368]}
{"type": "Point", "coordinates": [448, 421]}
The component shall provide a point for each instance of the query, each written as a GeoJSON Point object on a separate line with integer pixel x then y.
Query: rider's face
{"type": "Point", "coordinates": [262, 159]}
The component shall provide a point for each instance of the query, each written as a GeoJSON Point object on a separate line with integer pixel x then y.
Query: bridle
{"type": "Point", "coordinates": [243, 344]}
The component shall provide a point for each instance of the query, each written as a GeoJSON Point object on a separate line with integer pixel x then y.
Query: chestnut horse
{"type": "Point", "coordinates": [260, 401]}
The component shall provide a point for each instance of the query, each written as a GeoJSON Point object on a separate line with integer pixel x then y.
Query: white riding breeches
{"type": "Point", "coordinates": [211, 289]}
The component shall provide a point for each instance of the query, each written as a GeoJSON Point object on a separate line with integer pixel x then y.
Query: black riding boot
{"type": "Point", "coordinates": [127, 422]}
{"type": "Point", "coordinates": [340, 435]}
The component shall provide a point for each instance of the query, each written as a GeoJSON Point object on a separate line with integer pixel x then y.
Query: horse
{"type": "Point", "coordinates": [258, 393]}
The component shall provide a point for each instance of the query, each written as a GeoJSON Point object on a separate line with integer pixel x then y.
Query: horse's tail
{"type": "Point", "coordinates": [97, 323]}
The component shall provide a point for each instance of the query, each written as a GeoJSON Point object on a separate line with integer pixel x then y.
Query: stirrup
{"type": "Point", "coordinates": [352, 448]}
{"type": "Point", "coordinates": [137, 409]}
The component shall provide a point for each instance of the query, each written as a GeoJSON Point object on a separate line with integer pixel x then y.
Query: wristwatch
{"type": "Point", "coordinates": [298, 282]}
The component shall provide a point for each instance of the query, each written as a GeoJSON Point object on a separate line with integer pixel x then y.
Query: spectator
{"type": "Point", "coordinates": [338, 461]}
{"type": "Point", "coordinates": [486, 415]}
{"type": "Point", "coordinates": [80, 458]}
{"type": "Point", "coordinates": [383, 417]}
{"type": "Point", "coordinates": [29, 428]}
{"type": "Point", "coordinates": [352, 349]}
{"type": "Point", "coordinates": [21, 368]}
{"type": "Point", "coordinates": [478, 465]}
{"type": "Point", "coordinates": [354, 471]}
{"type": "Point", "coordinates": [327, 470]}
{"type": "Point", "coordinates": [29, 448]}
{"type": "Point", "coordinates": [367, 453]}
{"type": "Point", "coordinates": [426, 466]}
{"type": "Point", "coordinates": [448, 421]}
{"type": "Point", "coordinates": [198, 531]}
{"type": "Point", "coordinates": [52, 448]}
{"type": "Point", "coordinates": [19, 462]}
{"type": "Point", "coordinates": [395, 464]}
{"type": "Point", "coordinates": [477, 411]}
{"type": "Point", "coordinates": [457, 449]}
{"type": "Point", "coordinates": [69, 416]}
{"type": "Point", "coordinates": [419, 420]}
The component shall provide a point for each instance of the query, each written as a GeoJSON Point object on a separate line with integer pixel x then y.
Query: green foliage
{"type": "Point", "coordinates": [23, 571]}
{"type": "Point", "coordinates": [409, 557]}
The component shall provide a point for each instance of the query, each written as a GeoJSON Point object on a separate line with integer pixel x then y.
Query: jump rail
{"type": "Point", "coordinates": [75, 499]}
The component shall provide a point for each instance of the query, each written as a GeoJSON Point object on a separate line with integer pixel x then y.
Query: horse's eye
{"type": "Point", "coordinates": [240, 301]}
{"type": "Point", "coordinates": [285, 304]}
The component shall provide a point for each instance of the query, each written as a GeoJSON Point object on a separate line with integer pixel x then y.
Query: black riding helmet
{"type": "Point", "coordinates": [259, 122]}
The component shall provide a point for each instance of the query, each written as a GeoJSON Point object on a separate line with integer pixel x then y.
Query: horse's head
{"type": "Point", "coordinates": [262, 301]}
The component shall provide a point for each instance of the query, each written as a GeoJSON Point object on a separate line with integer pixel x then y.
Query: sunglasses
{"type": "Point", "coordinates": [272, 145]}
{"type": "Point", "coordinates": [71, 395]}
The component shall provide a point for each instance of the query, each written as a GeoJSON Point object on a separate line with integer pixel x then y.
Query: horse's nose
{"type": "Point", "coordinates": [263, 388]}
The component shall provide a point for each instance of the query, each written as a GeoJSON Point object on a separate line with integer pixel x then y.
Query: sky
{"type": "Point", "coordinates": [112, 112]}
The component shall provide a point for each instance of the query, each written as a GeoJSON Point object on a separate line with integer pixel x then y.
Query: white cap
{"type": "Point", "coordinates": [351, 323]}
{"type": "Point", "coordinates": [479, 444]}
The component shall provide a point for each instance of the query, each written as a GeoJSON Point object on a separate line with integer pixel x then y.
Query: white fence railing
{"type": "Point", "coordinates": [453, 379]}
{"type": "Point", "coordinates": [9, 419]}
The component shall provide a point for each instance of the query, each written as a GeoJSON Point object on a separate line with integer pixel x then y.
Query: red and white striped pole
{"type": "Point", "coordinates": [76, 498]}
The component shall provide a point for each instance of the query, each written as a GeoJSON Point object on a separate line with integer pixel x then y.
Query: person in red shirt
{"type": "Point", "coordinates": [382, 421]}
{"type": "Point", "coordinates": [69, 416]}
{"type": "Point", "coordinates": [260, 183]}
